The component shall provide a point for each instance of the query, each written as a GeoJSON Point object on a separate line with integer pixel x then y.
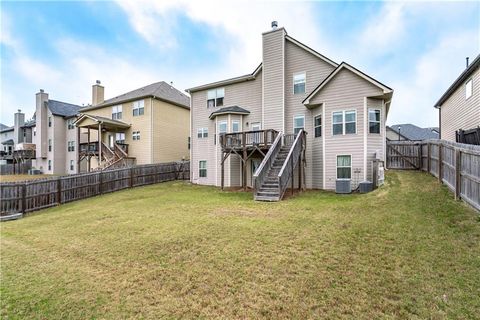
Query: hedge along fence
{"type": "Point", "coordinates": [457, 165]}
{"type": "Point", "coordinates": [23, 197]}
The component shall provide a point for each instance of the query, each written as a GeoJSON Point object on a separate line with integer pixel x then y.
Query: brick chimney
{"type": "Point", "coordinates": [98, 92]}
{"type": "Point", "coordinates": [273, 57]}
{"type": "Point", "coordinates": [41, 117]}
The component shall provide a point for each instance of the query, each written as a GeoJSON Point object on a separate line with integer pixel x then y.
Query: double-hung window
{"type": "Point", "coordinates": [215, 97]}
{"type": "Point", "coordinates": [120, 137]}
{"type": "Point", "coordinates": [344, 122]}
{"type": "Point", "coordinates": [72, 166]}
{"type": "Point", "coordinates": [49, 122]}
{"type": "Point", "coordinates": [136, 135]}
{"type": "Point", "coordinates": [468, 88]}
{"type": "Point", "coordinates": [317, 125]}
{"type": "Point", "coordinates": [117, 112]}
{"type": "Point", "coordinates": [202, 169]}
{"type": "Point", "coordinates": [344, 167]}
{"type": "Point", "coordinates": [299, 83]}
{"type": "Point", "coordinates": [298, 123]}
{"type": "Point", "coordinates": [49, 145]}
{"type": "Point", "coordinates": [70, 124]}
{"type": "Point", "coordinates": [374, 120]}
{"type": "Point", "coordinates": [222, 127]}
{"type": "Point", "coordinates": [49, 165]}
{"type": "Point", "coordinates": [138, 108]}
{"type": "Point", "coordinates": [71, 146]}
{"type": "Point", "coordinates": [202, 133]}
{"type": "Point", "coordinates": [235, 126]}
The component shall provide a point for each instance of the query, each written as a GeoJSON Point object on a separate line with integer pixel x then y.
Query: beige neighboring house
{"type": "Point", "coordinates": [146, 125]}
{"type": "Point", "coordinates": [459, 106]}
{"type": "Point", "coordinates": [295, 88]}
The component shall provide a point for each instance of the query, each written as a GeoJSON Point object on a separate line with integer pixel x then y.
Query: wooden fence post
{"type": "Point", "coordinates": [440, 162]}
{"type": "Point", "coordinates": [131, 177]}
{"type": "Point", "coordinates": [100, 182]}
{"type": "Point", "coordinates": [59, 190]}
{"type": "Point", "coordinates": [429, 156]}
{"type": "Point", "coordinates": [24, 198]}
{"type": "Point", "coordinates": [420, 157]}
{"type": "Point", "coordinates": [458, 173]}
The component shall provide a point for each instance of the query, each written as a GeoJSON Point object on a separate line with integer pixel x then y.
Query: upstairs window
{"type": "Point", "coordinates": [202, 133]}
{"type": "Point", "coordinates": [136, 135]}
{"type": "Point", "coordinates": [71, 146]}
{"type": "Point", "coordinates": [344, 167]}
{"type": "Point", "coordinates": [215, 97]}
{"type": "Point", "coordinates": [70, 124]}
{"type": "Point", "coordinates": [468, 88]}
{"type": "Point", "coordinates": [49, 145]}
{"type": "Point", "coordinates": [117, 112]}
{"type": "Point", "coordinates": [120, 137]}
{"type": "Point", "coordinates": [298, 123]}
{"type": "Point", "coordinates": [299, 83]}
{"type": "Point", "coordinates": [344, 122]}
{"type": "Point", "coordinates": [317, 125]}
{"type": "Point", "coordinates": [374, 120]}
{"type": "Point", "coordinates": [138, 108]}
{"type": "Point", "coordinates": [49, 121]}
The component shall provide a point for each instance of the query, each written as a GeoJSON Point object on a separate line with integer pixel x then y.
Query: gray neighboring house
{"type": "Point", "coordinates": [342, 109]}
{"type": "Point", "coordinates": [459, 106]}
{"type": "Point", "coordinates": [408, 131]}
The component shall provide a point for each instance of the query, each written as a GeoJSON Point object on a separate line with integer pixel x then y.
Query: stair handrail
{"type": "Point", "coordinates": [267, 162]}
{"type": "Point", "coordinates": [109, 151]}
{"type": "Point", "coordinates": [122, 152]}
{"type": "Point", "coordinates": [286, 173]}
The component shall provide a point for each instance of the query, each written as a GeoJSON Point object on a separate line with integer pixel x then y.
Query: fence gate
{"type": "Point", "coordinates": [403, 156]}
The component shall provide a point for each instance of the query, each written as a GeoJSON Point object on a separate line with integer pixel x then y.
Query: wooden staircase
{"type": "Point", "coordinates": [277, 168]}
{"type": "Point", "coordinates": [114, 159]}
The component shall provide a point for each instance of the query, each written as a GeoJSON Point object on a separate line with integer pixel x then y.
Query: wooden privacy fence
{"type": "Point", "coordinates": [22, 197]}
{"type": "Point", "coordinates": [456, 165]}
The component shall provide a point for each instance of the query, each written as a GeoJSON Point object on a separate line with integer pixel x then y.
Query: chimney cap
{"type": "Point", "coordinates": [19, 110]}
{"type": "Point", "coordinates": [466, 60]}
{"type": "Point", "coordinates": [41, 90]}
{"type": "Point", "coordinates": [274, 24]}
{"type": "Point", "coordinates": [97, 82]}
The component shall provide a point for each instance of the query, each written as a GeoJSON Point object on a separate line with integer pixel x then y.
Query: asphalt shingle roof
{"type": "Point", "coordinates": [59, 108]}
{"type": "Point", "coordinates": [161, 90]}
{"type": "Point", "coordinates": [412, 132]}
{"type": "Point", "coordinates": [226, 110]}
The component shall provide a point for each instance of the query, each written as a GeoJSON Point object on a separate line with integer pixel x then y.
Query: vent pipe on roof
{"type": "Point", "coordinates": [274, 25]}
{"type": "Point", "coordinates": [466, 59]}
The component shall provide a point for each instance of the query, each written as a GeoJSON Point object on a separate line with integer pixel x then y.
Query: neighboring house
{"type": "Point", "coordinates": [54, 136]}
{"type": "Point", "coordinates": [342, 109]}
{"type": "Point", "coordinates": [459, 106]}
{"type": "Point", "coordinates": [411, 132]}
{"type": "Point", "coordinates": [143, 126]}
{"type": "Point", "coordinates": [11, 137]}
{"type": "Point", "coordinates": [7, 143]}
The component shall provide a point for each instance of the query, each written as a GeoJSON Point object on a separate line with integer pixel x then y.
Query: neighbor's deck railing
{"type": "Point", "coordinates": [267, 162]}
{"type": "Point", "coordinates": [34, 195]}
{"type": "Point", "coordinates": [457, 165]}
{"type": "Point", "coordinates": [238, 140]}
{"type": "Point", "coordinates": [293, 157]}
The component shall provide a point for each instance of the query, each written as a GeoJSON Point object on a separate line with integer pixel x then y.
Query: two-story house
{"type": "Point", "coordinates": [248, 130]}
{"type": "Point", "coordinates": [459, 107]}
{"type": "Point", "coordinates": [146, 125]}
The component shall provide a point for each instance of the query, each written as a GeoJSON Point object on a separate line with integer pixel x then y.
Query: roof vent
{"type": "Point", "coordinates": [97, 82]}
{"type": "Point", "coordinates": [274, 25]}
{"type": "Point", "coordinates": [466, 61]}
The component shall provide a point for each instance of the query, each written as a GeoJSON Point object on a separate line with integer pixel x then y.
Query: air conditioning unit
{"type": "Point", "coordinates": [343, 186]}
{"type": "Point", "coordinates": [365, 186]}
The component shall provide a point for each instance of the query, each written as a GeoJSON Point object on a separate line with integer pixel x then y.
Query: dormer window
{"type": "Point", "coordinates": [215, 97]}
{"type": "Point", "coordinates": [299, 83]}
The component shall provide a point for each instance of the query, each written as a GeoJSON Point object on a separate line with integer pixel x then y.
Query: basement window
{"type": "Point", "coordinates": [299, 83]}
{"type": "Point", "coordinates": [344, 167]}
{"type": "Point", "coordinates": [202, 169]}
{"type": "Point", "coordinates": [468, 88]}
{"type": "Point", "coordinates": [215, 97]}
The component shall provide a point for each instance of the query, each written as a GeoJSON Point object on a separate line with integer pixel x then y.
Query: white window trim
{"type": "Point", "coordinates": [239, 126]}
{"type": "Point", "coordinates": [379, 121]}
{"type": "Point", "coordinates": [206, 169]}
{"type": "Point", "coordinates": [344, 122]}
{"type": "Point", "coordinates": [225, 122]}
{"type": "Point", "coordinates": [321, 126]}
{"type": "Point", "coordinates": [216, 96]}
{"type": "Point", "coordinates": [293, 82]}
{"type": "Point", "coordinates": [471, 91]}
{"type": "Point", "coordinates": [336, 166]}
{"type": "Point", "coordinates": [255, 123]}
{"type": "Point", "coordinates": [136, 106]}
{"type": "Point", "coordinates": [202, 132]}
{"type": "Point", "coordinates": [298, 116]}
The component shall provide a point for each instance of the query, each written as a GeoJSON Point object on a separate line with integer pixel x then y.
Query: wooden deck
{"type": "Point", "coordinates": [249, 140]}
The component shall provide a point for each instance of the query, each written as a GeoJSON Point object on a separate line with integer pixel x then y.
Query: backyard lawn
{"type": "Point", "coordinates": [24, 177]}
{"type": "Point", "coordinates": [174, 250]}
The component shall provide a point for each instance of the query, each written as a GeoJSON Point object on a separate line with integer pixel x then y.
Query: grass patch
{"type": "Point", "coordinates": [175, 250]}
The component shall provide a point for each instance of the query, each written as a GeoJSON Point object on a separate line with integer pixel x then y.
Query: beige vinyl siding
{"type": "Point", "coordinates": [273, 79]}
{"type": "Point", "coordinates": [59, 145]}
{"type": "Point", "coordinates": [346, 91]}
{"type": "Point", "coordinates": [375, 141]}
{"type": "Point", "coordinates": [459, 113]}
{"type": "Point", "coordinates": [170, 132]}
{"type": "Point", "coordinates": [70, 135]}
{"type": "Point", "coordinates": [316, 157]}
{"type": "Point", "coordinates": [298, 60]}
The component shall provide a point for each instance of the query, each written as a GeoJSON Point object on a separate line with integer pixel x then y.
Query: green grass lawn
{"type": "Point", "coordinates": [174, 250]}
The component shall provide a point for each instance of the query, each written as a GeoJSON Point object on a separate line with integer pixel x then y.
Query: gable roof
{"type": "Point", "coordinates": [6, 129]}
{"type": "Point", "coordinates": [3, 127]}
{"type": "Point", "coordinates": [229, 110]}
{"type": "Point", "coordinates": [461, 78]}
{"type": "Point", "coordinates": [159, 90]}
{"type": "Point", "coordinates": [359, 73]}
{"type": "Point", "coordinates": [8, 142]}
{"type": "Point", "coordinates": [63, 109]}
{"type": "Point", "coordinates": [109, 123]}
{"type": "Point", "coordinates": [413, 132]}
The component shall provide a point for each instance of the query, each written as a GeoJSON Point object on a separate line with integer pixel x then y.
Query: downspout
{"type": "Point", "coordinates": [151, 131]}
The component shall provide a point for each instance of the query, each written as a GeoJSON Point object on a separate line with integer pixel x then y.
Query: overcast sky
{"type": "Point", "coordinates": [417, 48]}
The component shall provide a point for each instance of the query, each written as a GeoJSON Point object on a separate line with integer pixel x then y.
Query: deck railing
{"type": "Point", "coordinates": [238, 140]}
{"type": "Point", "coordinates": [286, 173]}
{"type": "Point", "coordinates": [89, 147]}
{"type": "Point", "coordinates": [267, 162]}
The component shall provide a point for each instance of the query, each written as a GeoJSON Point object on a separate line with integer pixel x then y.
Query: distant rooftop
{"type": "Point", "coordinates": [413, 132]}
{"type": "Point", "coordinates": [59, 108]}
